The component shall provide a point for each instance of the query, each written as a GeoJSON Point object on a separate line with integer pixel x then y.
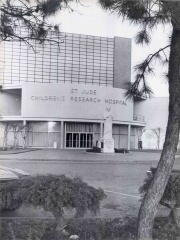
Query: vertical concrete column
{"type": "Point", "coordinates": [101, 130]}
{"type": "Point", "coordinates": [24, 122]}
{"type": "Point", "coordinates": [62, 135]}
{"type": "Point", "coordinates": [129, 137]}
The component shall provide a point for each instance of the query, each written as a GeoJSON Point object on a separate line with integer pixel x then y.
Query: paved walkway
{"type": "Point", "coordinates": [81, 155]}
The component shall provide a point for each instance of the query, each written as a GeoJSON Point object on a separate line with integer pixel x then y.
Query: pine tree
{"type": "Point", "coordinates": [148, 14]}
{"type": "Point", "coordinates": [31, 16]}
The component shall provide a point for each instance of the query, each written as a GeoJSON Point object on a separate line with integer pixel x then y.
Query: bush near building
{"type": "Point", "coordinates": [116, 150]}
{"type": "Point", "coordinates": [94, 149]}
{"type": "Point", "coordinates": [121, 150]}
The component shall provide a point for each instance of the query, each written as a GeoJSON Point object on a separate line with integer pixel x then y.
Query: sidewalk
{"type": "Point", "coordinates": [81, 155]}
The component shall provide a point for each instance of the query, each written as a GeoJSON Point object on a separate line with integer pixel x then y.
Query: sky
{"type": "Point", "coordinates": [89, 18]}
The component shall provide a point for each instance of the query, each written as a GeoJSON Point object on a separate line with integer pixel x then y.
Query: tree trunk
{"type": "Point", "coordinates": [24, 142]}
{"type": "Point", "coordinates": [15, 142]}
{"type": "Point", "coordinates": [158, 143]}
{"type": "Point", "coordinates": [24, 135]}
{"type": "Point", "coordinates": [5, 137]}
{"type": "Point", "coordinates": [152, 197]}
{"type": "Point", "coordinates": [15, 138]}
{"type": "Point", "coordinates": [5, 141]}
{"type": "Point", "coordinates": [60, 223]}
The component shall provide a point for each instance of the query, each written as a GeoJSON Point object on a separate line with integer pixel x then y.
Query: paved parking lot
{"type": "Point", "coordinates": [81, 155]}
{"type": "Point", "coordinates": [120, 175]}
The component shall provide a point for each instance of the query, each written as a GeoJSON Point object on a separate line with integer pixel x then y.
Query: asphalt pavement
{"type": "Point", "coordinates": [120, 175]}
{"type": "Point", "coordinates": [81, 155]}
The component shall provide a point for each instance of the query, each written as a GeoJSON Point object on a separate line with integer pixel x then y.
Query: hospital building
{"type": "Point", "coordinates": [61, 92]}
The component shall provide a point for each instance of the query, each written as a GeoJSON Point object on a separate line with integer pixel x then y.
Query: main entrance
{"type": "Point", "coordinates": [79, 140]}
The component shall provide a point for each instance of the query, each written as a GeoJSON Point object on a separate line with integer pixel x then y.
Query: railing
{"type": "Point", "coordinates": [139, 118]}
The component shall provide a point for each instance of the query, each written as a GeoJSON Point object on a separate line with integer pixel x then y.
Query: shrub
{"type": "Point", "coordinates": [9, 199]}
{"type": "Point", "coordinates": [121, 150]}
{"type": "Point", "coordinates": [3, 149]}
{"type": "Point", "coordinates": [54, 193]}
{"type": "Point", "coordinates": [94, 149]}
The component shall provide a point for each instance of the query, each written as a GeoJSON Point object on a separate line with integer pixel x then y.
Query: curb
{"type": "Point", "coordinates": [10, 153]}
{"type": "Point", "coordinates": [79, 161]}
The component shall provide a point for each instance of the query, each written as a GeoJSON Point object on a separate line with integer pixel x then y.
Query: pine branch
{"type": "Point", "coordinates": [145, 65]}
{"type": "Point", "coordinates": [140, 87]}
{"type": "Point", "coordinates": [147, 14]}
{"type": "Point", "coordinates": [142, 37]}
{"type": "Point", "coordinates": [18, 15]}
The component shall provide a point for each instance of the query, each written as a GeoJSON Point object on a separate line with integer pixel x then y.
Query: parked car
{"type": "Point", "coordinates": [9, 174]}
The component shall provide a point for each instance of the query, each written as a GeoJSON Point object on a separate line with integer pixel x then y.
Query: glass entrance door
{"type": "Point", "coordinates": [79, 140]}
{"type": "Point", "coordinates": [83, 140]}
{"type": "Point", "coordinates": [89, 140]}
{"type": "Point", "coordinates": [69, 140]}
{"type": "Point", "coordinates": [75, 140]}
